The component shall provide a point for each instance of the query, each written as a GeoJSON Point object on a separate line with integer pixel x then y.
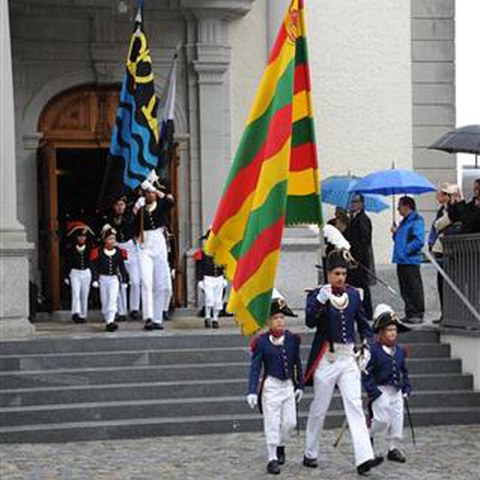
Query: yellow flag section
{"type": "Point", "coordinates": [273, 180]}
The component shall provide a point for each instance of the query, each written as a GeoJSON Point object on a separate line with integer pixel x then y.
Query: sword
{"type": "Point", "coordinates": [407, 409]}
{"type": "Point", "coordinates": [379, 280]}
{"type": "Point", "coordinates": [342, 431]}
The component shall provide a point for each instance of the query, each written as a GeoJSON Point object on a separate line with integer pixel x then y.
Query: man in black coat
{"type": "Point", "coordinates": [359, 234]}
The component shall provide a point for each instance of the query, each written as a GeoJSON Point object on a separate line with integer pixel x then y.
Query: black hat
{"type": "Point", "coordinates": [337, 258]}
{"type": "Point", "coordinates": [77, 228]}
{"type": "Point", "coordinates": [108, 230]}
{"type": "Point", "coordinates": [385, 316]}
{"type": "Point", "coordinates": [279, 305]}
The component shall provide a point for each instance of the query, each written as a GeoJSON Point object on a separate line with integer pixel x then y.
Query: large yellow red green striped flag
{"type": "Point", "coordinates": [273, 180]}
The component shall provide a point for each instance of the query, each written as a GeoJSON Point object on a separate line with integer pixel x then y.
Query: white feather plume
{"type": "Point", "coordinates": [335, 237]}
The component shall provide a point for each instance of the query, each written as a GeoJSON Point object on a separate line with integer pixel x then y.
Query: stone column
{"type": "Point", "coordinates": [13, 244]}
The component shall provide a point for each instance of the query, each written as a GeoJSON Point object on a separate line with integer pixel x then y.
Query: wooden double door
{"type": "Point", "coordinates": [76, 128]}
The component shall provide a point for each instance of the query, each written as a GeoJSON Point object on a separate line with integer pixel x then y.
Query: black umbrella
{"type": "Point", "coordinates": [461, 140]}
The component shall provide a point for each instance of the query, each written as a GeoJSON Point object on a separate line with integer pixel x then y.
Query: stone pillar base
{"type": "Point", "coordinates": [14, 303]}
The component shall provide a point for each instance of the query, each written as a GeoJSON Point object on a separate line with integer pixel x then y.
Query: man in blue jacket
{"type": "Point", "coordinates": [409, 237]}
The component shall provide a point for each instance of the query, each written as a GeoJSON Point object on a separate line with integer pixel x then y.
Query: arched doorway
{"type": "Point", "coordinates": [76, 127]}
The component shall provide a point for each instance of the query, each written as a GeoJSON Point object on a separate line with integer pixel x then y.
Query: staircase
{"type": "Point", "coordinates": [105, 387]}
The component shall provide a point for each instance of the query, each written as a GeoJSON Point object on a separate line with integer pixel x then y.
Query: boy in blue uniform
{"type": "Point", "coordinates": [334, 309]}
{"type": "Point", "coordinates": [278, 352]}
{"type": "Point", "coordinates": [386, 380]}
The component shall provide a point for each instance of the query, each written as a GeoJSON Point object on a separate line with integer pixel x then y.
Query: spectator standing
{"type": "Point", "coordinates": [408, 238]}
{"type": "Point", "coordinates": [359, 234]}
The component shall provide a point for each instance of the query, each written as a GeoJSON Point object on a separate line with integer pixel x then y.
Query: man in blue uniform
{"type": "Point", "coordinates": [278, 353]}
{"type": "Point", "coordinates": [386, 380]}
{"type": "Point", "coordinates": [333, 310]}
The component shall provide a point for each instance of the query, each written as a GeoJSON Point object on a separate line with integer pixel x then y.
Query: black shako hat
{"type": "Point", "coordinates": [337, 258]}
{"type": "Point", "coordinates": [385, 316]}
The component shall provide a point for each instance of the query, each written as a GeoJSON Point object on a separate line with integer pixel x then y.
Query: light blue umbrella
{"type": "Point", "coordinates": [393, 181]}
{"type": "Point", "coordinates": [336, 190]}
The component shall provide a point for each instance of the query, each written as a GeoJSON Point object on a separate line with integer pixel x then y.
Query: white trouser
{"type": "Point", "coordinates": [345, 373]}
{"type": "Point", "coordinates": [155, 274]}
{"type": "Point", "coordinates": [80, 281]}
{"type": "Point", "coordinates": [388, 415]}
{"type": "Point", "coordinates": [213, 288]}
{"type": "Point", "coordinates": [109, 287]}
{"type": "Point", "coordinates": [279, 413]}
{"type": "Point", "coordinates": [132, 265]}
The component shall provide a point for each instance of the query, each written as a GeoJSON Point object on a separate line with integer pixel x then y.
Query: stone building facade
{"type": "Point", "coordinates": [383, 87]}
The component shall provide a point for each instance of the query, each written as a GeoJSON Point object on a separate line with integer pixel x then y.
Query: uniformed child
{"type": "Point", "coordinates": [277, 352]}
{"type": "Point", "coordinates": [109, 274]}
{"type": "Point", "coordinates": [77, 271]}
{"type": "Point", "coordinates": [386, 380]}
{"type": "Point", "coordinates": [335, 309]}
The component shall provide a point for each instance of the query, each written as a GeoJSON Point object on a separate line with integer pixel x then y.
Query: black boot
{"type": "Point", "coordinates": [206, 323]}
{"type": "Point", "coordinates": [157, 326]}
{"type": "Point", "coordinates": [273, 468]}
{"type": "Point", "coordinates": [121, 318]}
{"type": "Point", "coordinates": [166, 316]}
{"type": "Point", "coordinates": [111, 327]}
{"type": "Point", "coordinates": [310, 462]}
{"type": "Point", "coordinates": [148, 324]}
{"type": "Point", "coordinates": [135, 315]}
{"type": "Point", "coordinates": [76, 318]}
{"type": "Point", "coordinates": [215, 324]}
{"type": "Point", "coordinates": [82, 320]}
{"type": "Point", "coordinates": [365, 467]}
{"type": "Point", "coordinates": [396, 455]}
{"type": "Point", "coordinates": [281, 455]}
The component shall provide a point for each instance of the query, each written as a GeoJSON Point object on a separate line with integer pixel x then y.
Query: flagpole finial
{"type": "Point", "coordinates": [139, 16]}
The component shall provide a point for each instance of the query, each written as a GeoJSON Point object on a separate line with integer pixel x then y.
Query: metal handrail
{"type": "Point", "coordinates": [461, 262]}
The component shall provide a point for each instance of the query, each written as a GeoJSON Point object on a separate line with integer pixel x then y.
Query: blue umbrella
{"type": "Point", "coordinates": [336, 190]}
{"type": "Point", "coordinates": [393, 181]}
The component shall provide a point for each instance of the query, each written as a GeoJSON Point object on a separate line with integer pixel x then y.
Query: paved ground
{"type": "Point", "coordinates": [441, 453]}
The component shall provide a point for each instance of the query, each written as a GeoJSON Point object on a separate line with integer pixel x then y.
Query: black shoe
{"type": "Point", "coordinates": [273, 468]}
{"type": "Point", "coordinates": [365, 467]}
{"type": "Point", "coordinates": [148, 325]}
{"type": "Point", "coordinates": [223, 313]}
{"type": "Point", "coordinates": [158, 326]}
{"type": "Point", "coordinates": [414, 320]}
{"type": "Point", "coordinates": [76, 318]}
{"type": "Point", "coordinates": [310, 462]}
{"type": "Point", "coordinates": [121, 318]}
{"type": "Point", "coordinates": [396, 455]}
{"type": "Point", "coordinates": [206, 323]}
{"type": "Point", "coordinates": [135, 315]}
{"type": "Point", "coordinates": [437, 321]}
{"type": "Point", "coordinates": [82, 320]}
{"type": "Point", "coordinates": [166, 316]}
{"type": "Point", "coordinates": [111, 327]}
{"type": "Point", "coordinates": [281, 455]}
{"type": "Point", "coordinates": [215, 324]}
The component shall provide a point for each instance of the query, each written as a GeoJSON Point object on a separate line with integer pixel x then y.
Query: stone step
{"type": "Point", "coordinates": [175, 357]}
{"type": "Point", "coordinates": [151, 373]}
{"type": "Point", "coordinates": [167, 339]}
{"type": "Point", "coordinates": [118, 410]}
{"type": "Point", "coordinates": [155, 427]}
{"type": "Point", "coordinates": [179, 389]}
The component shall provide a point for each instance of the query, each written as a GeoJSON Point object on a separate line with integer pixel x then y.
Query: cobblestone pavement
{"type": "Point", "coordinates": [442, 453]}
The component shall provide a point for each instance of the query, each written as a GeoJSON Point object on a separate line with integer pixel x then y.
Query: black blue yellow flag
{"type": "Point", "coordinates": [134, 147]}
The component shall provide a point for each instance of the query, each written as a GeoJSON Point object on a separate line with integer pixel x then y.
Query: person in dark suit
{"type": "Point", "coordinates": [359, 234]}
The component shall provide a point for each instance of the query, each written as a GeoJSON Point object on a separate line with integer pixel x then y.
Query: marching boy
{"type": "Point", "coordinates": [386, 380]}
{"type": "Point", "coordinates": [278, 353]}
{"type": "Point", "coordinates": [109, 274]}
{"type": "Point", "coordinates": [77, 271]}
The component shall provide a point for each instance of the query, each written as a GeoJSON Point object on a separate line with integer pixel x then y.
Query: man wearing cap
{"type": "Point", "coordinates": [109, 275]}
{"type": "Point", "coordinates": [386, 380]}
{"type": "Point", "coordinates": [77, 271]}
{"type": "Point", "coordinates": [333, 310]}
{"type": "Point", "coordinates": [123, 221]}
{"type": "Point", "coordinates": [278, 353]}
{"type": "Point", "coordinates": [151, 213]}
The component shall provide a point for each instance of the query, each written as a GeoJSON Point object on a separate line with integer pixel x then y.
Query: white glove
{"type": "Point", "coordinates": [66, 281]}
{"type": "Point", "coordinates": [139, 203]}
{"type": "Point", "coordinates": [124, 286]}
{"type": "Point", "coordinates": [95, 284]}
{"type": "Point", "coordinates": [147, 186]}
{"type": "Point", "coordinates": [324, 294]}
{"type": "Point", "coordinates": [405, 395]}
{"type": "Point", "coordinates": [298, 395]}
{"type": "Point", "coordinates": [252, 400]}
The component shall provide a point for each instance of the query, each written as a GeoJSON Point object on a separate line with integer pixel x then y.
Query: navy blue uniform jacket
{"type": "Point", "coordinates": [385, 369]}
{"type": "Point", "coordinates": [279, 361]}
{"type": "Point", "coordinates": [333, 325]}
